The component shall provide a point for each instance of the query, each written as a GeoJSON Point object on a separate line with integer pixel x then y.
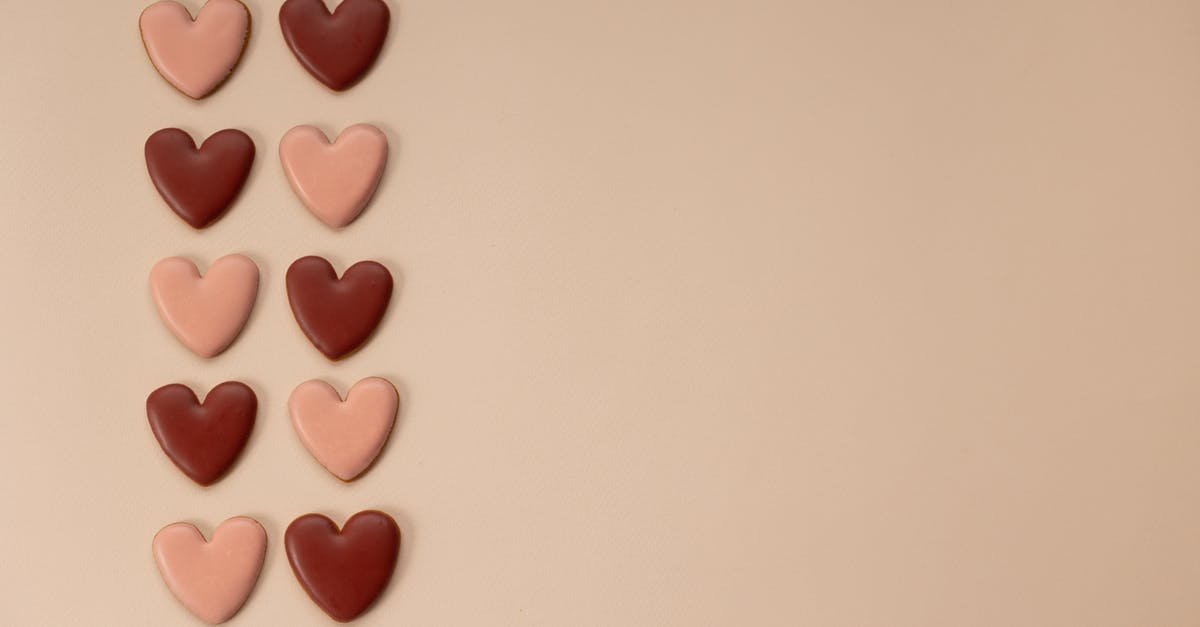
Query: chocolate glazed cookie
{"type": "Point", "coordinates": [202, 439]}
{"type": "Point", "coordinates": [338, 48]}
{"type": "Point", "coordinates": [338, 315]}
{"type": "Point", "coordinates": [345, 571]}
{"type": "Point", "coordinates": [199, 184]}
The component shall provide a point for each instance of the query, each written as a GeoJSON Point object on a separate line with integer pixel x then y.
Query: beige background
{"type": "Point", "coordinates": [711, 313]}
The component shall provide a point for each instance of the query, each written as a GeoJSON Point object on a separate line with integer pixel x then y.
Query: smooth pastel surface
{"type": "Point", "coordinates": [195, 56]}
{"type": "Point", "coordinates": [344, 436]}
{"type": "Point", "coordinates": [756, 314]}
{"type": "Point", "coordinates": [335, 180]}
{"type": "Point", "coordinates": [205, 312]}
{"type": "Point", "coordinates": [212, 579]}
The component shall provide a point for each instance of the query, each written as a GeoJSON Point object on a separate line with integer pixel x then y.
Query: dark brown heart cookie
{"type": "Point", "coordinates": [203, 439]}
{"type": "Point", "coordinates": [336, 48]}
{"type": "Point", "coordinates": [199, 184]}
{"type": "Point", "coordinates": [343, 571]}
{"type": "Point", "coordinates": [338, 315]}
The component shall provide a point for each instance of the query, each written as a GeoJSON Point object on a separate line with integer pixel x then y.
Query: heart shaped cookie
{"type": "Point", "coordinates": [205, 313]}
{"type": "Point", "coordinates": [344, 436]}
{"type": "Point", "coordinates": [202, 439]}
{"type": "Point", "coordinates": [199, 184]}
{"type": "Point", "coordinates": [211, 579]}
{"type": "Point", "coordinates": [338, 315]}
{"type": "Point", "coordinates": [334, 180]}
{"type": "Point", "coordinates": [343, 571]}
{"type": "Point", "coordinates": [336, 48]}
{"type": "Point", "coordinates": [195, 56]}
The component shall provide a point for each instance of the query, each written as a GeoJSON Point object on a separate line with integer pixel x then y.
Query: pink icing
{"type": "Point", "coordinates": [211, 579]}
{"type": "Point", "coordinates": [195, 56]}
{"type": "Point", "coordinates": [335, 181]}
{"type": "Point", "coordinates": [344, 436]}
{"type": "Point", "coordinates": [205, 313]}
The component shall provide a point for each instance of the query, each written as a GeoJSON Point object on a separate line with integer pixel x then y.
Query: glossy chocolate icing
{"type": "Point", "coordinates": [345, 571]}
{"type": "Point", "coordinates": [338, 315]}
{"type": "Point", "coordinates": [338, 48]}
{"type": "Point", "coordinates": [202, 439]}
{"type": "Point", "coordinates": [199, 184]}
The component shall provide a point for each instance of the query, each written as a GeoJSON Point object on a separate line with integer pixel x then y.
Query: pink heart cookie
{"type": "Point", "coordinates": [211, 579]}
{"type": "Point", "coordinates": [344, 436]}
{"type": "Point", "coordinates": [195, 56]}
{"type": "Point", "coordinates": [335, 181]}
{"type": "Point", "coordinates": [205, 313]}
